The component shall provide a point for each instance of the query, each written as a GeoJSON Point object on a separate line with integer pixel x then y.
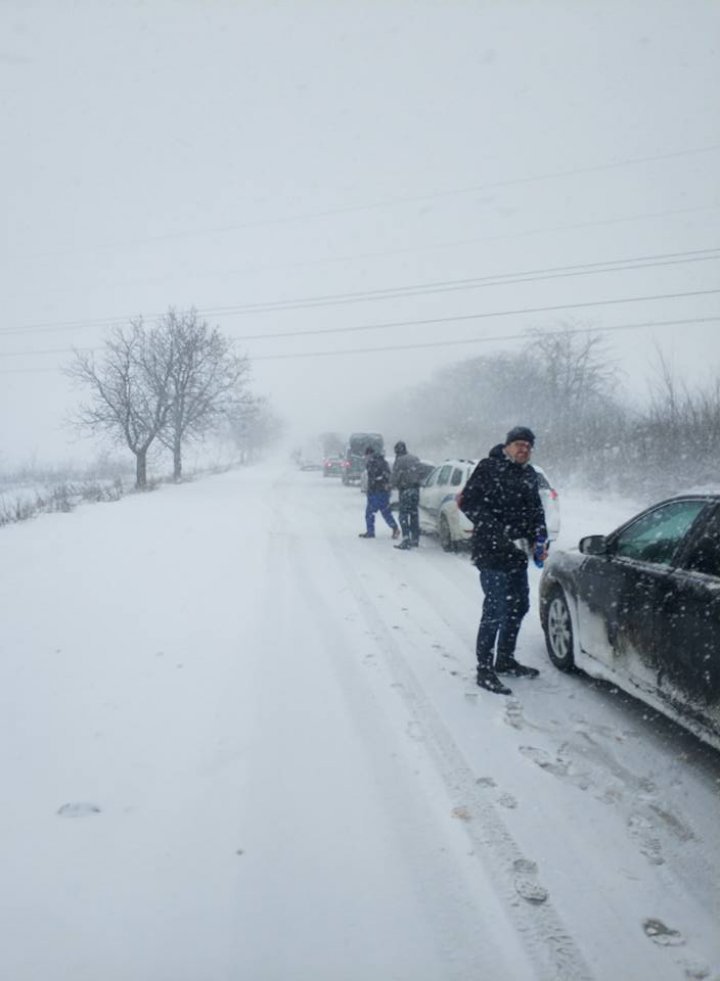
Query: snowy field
{"type": "Point", "coordinates": [238, 742]}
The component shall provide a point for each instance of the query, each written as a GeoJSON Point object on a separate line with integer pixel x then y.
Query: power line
{"type": "Point", "coordinates": [500, 279]}
{"type": "Point", "coordinates": [440, 246]}
{"type": "Point", "coordinates": [399, 292]}
{"type": "Point", "coordinates": [689, 321]}
{"type": "Point", "coordinates": [486, 340]}
{"type": "Point", "coordinates": [411, 199]}
{"type": "Point", "coordinates": [434, 195]}
{"type": "Point", "coordinates": [424, 323]}
{"type": "Point", "coordinates": [475, 316]}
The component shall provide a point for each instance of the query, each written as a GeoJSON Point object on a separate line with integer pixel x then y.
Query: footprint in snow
{"type": "Point", "coordinates": [661, 934]}
{"type": "Point", "coordinates": [525, 882]}
{"type": "Point", "coordinates": [78, 809]}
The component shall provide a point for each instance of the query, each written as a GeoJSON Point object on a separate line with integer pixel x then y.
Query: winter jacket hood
{"type": "Point", "coordinates": [406, 471]}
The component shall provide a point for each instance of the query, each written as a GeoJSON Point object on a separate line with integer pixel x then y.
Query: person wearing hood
{"type": "Point", "coordinates": [406, 477]}
{"type": "Point", "coordinates": [502, 500]}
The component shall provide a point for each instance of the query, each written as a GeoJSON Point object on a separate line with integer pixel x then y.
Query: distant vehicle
{"type": "Point", "coordinates": [334, 466]}
{"type": "Point", "coordinates": [641, 608]}
{"type": "Point", "coordinates": [440, 515]}
{"type": "Point", "coordinates": [355, 455]}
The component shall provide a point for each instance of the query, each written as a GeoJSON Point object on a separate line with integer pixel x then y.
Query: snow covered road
{"type": "Point", "coordinates": [278, 767]}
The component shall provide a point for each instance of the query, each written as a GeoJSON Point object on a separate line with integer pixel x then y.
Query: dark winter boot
{"type": "Point", "coordinates": [506, 664]}
{"type": "Point", "coordinates": [486, 678]}
{"type": "Point", "coordinates": [365, 534]}
{"type": "Point", "coordinates": [404, 544]}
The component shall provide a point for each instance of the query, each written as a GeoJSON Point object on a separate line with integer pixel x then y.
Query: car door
{"type": "Point", "coordinates": [690, 613]}
{"type": "Point", "coordinates": [622, 592]}
{"type": "Point", "coordinates": [432, 494]}
{"type": "Point", "coordinates": [426, 500]}
{"type": "Point", "coordinates": [461, 527]}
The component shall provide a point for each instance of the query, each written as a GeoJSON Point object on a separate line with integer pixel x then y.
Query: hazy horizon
{"type": "Point", "coordinates": [357, 195]}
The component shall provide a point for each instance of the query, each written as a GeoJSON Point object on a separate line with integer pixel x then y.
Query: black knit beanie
{"type": "Point", "coordinates": [520, 432]}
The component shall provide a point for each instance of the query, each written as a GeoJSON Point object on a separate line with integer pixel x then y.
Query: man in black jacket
{"type": "Point", "coordinates": [502, 500]}
{"type": "Point", "coordinates": [378, 493]}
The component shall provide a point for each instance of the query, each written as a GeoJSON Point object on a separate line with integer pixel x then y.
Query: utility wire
{"type": "Point", "coordinates": [475, 316]}
{"type": "Point", "coordinates": [415, 346]}
{"type": "Point", "coordinates": [456, 243]}
{"type": "Point", "coordinates": [422, 323]}
{"type": "Point", "coordinates": [434, 195]}
{"type": "Point", "coordinates": [408, 199]}
{"type": "Point", "coordinates": [486, 340]}
{"type": "Point", "coordinates": [499, 279]}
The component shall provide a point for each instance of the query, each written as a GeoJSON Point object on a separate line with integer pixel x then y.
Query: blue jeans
{"type": "Point", "coordinates": [378, 501]}
{"type": "Point", "coordinates": [408, 513]}
{"type": "Point", "coordinates": [507, 600]}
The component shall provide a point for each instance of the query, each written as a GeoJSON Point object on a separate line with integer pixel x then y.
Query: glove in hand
{"type": "Point", "coordinates": [540, 552]}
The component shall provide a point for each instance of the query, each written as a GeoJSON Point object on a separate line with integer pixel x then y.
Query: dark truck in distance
{"type": "Point", "coordinates": [355, 455]}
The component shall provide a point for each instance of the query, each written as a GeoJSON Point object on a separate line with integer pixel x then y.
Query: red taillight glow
{"type": "Point", "coordinates": [553, 494]}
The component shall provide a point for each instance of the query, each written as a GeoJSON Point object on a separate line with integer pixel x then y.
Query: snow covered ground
{"type": "Point", "coordinates": [238, 742]}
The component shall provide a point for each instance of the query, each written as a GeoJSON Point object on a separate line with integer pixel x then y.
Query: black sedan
{"type": "Point", "coordinates": [641, 608]}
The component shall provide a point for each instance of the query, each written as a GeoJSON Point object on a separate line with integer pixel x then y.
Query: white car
{"type": "Point", "coordinates": [440, 515]}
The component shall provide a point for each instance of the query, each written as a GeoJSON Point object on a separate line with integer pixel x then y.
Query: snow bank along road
{"type": "Point", "coordinates": [238, 742]}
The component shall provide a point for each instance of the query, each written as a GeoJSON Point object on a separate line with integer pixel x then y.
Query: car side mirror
{"type": "Point", "coordinates": [593, 545]}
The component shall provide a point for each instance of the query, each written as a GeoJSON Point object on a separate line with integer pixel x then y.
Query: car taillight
{"type": "Point", "coordinates": [553, 494]}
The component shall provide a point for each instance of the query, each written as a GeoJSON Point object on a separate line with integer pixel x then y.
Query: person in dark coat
{"type": "Point", "coordinates": [406, 477]}
{"type": "Point", "coordinates": [378, 493]}
{"type": "Point", "coordinates": [502, 500]}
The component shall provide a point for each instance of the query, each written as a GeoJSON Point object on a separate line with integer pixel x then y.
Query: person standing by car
{"type": "Point", "coordinates": [378, 493]}
{"type": "Point", "coordinates": [406, 477]}
{"type": "Point", "coordinates": [502, 500]}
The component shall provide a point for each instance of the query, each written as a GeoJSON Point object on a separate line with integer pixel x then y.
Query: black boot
{"type": "Point", "coordinates": [486, 678]}
{"type": "Point", "coordinates": [506, 664]}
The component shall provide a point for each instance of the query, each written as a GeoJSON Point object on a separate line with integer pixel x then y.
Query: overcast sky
{"type": "Point", "coordinates": [227, 155]}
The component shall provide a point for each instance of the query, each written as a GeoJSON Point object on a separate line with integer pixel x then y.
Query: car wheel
{"type": "Point", "coordinates": [559, 632]}
{"type": "Point", "coordinates": [447, 542]}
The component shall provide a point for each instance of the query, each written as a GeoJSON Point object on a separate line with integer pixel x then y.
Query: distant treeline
{"type": "Point", "coordinates": [565, 386]}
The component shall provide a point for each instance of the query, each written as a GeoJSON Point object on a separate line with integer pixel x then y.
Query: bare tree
{"type": "Point", "coordinates": [688, 421]}
{"type": "Point", "coordinates": [576, 372]}
{"type": "Point", "coordinates": [129, 391]}
{"type": "Point", "coordinates": [207, 380]}
{"type": "Point", "coordinates": [253, 427]}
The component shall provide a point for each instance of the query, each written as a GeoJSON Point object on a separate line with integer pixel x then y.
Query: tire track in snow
{"type": "Point", "coordinates": [453, 901]}
{"type": "Point", "coordinates": [547, 941]}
